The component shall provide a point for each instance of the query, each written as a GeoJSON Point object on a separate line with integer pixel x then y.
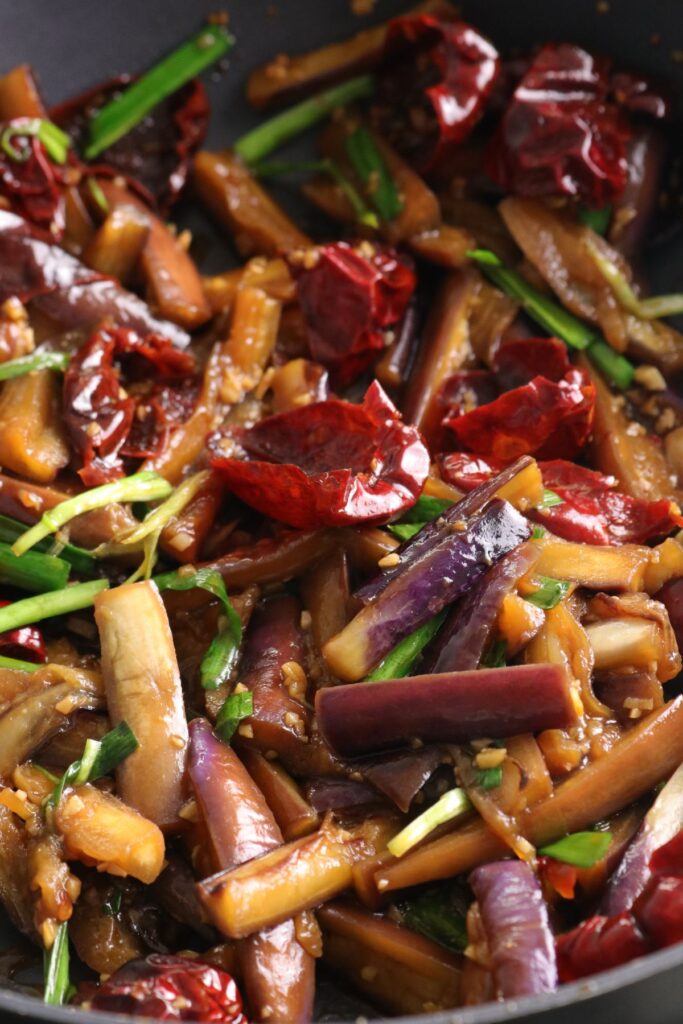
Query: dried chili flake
{"type": "Point", "coordinates": [350, 296]}
{"type": "Point", "coordinates": [100, 415]}
{"type": "Point", "coordinates": [561, 134]}
{"type": "Point", "coordinates": [328, 464]}
{"type": "Point", "coordinates": [167, 988]}
{"type": "Point", "coordinates": [433, 86]}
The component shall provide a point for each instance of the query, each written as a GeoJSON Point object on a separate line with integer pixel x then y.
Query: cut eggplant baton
{"type": "Point", "coordinates": [143, 688]}
{"type": "Point", "coordinates": [460, 555]}
{"type": "Point", "coordinates": [450, 707]}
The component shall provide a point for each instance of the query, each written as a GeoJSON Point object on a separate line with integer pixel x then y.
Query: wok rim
{"type": "Point", "coordinates": [575, 993]}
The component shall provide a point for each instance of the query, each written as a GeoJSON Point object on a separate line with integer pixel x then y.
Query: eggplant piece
{"type": "Point", "coordinates": [453, 707]}
{"type": "Point", "coordinates": [67, 746]}
{"type": "Point", "coordinates": [294, 814]}
{"type": "Point", "coordinates": [400, 777]}
{"type": "Point", "coordinates": [286, 78]}
{"type": "Point", "coordinates": [393, 368]}
{"type": "Point", "coordinates": [67, 291]}
{"type": "Point", "coordinates": [645, 756]}
{"type": "Point", "coordinates": [462, 553]}
{"type": "Point", "coordinates": [253, 334]}
{"type": "Point", "coordinates": [662, 822]}
{"type": "Point", "coordinates": [174, 286]}
{"type": "Point", "coordinates": [97, 827]}
{"type": "Point", "coordinates": [635, 209]}
{"type": "Point", "coordinates": [33, 721]}
{"type": "Point", "coordinates": [445, 246]}
{"type": "Point", "coordinates": [27, 502]}
{"type": "Point", "coordinates": [298, 382]}
{"type": "Point", "coordinates": [143, 688]}
{"type": "Point", "coordinates": [32, 437]}
{"type": "Point", "coordinates": [236, 200]}
{"type": "Point", "coordinates": [115, 248]}
{"type": "Point", "coordinates": [593, 566]}
{"type": "Point", "coordinates": [276, 886]}
{"type": "Point", "coordinates": [515, 919]}
{"type": "Point", "coordinates": [280, 719]}
{"type": "Point", "coordinates": [463, 638]}
{"type": "Point", "coordinates": [561, 251]}
{"type": "Point", "coordinates": [401, 971]}
{"type": "Point", "coordinates": [443, 349]}
{"type": "Point", "coordinates": [632, 456]}
{"type": "Point", "coordinates": [14, 882]}
{"type": "Point", "coordinates": [186, 533]}
{"type": "Point", "coordinates": [341, 794]}
{"type": "Point", "coordinates": [19, 95]}
{"type": "Point", "coordinates": [433, 532]}
{"type": "Point", "coordinates": [175, 890]}
{"type": "Point", "coordinates": [630, 615]}
{"type": "Point", "coordinates": [279, 975]}
{"type": "Point", "coordinates": [562, 640]}
{"type": "Point", "coordinates": [420, 212]}
{"type": "Point", "coordinates": [274, 560]}
{"type": "Point", "coordinates": [326, 594]}
{"type": "Point", "coordinates": [103, 941]}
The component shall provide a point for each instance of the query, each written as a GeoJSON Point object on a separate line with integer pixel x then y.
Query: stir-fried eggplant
{"type": "Point", "coordinates": [340, 590]}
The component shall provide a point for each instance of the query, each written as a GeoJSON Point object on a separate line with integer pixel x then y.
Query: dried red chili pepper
{"type": "Point", "coordinates": [26, 643]}
{"type": "Point", "coordinates": [560, 134]}
{"type": "Point", "coordinates": [167, 988]}
{"type": "Point", "coordinates": [99, 414]}
{"type": "Point", "coordinates": [328, 464]}
{"type": "Point", "coordinates": [593, 511]}
{"type": "Point", "coordinates": [433, 86]}
{"type": "Point", "coordinates": [29, 180]}
{"type": "Point", "coordinates": [519, 360]}
{"type": "Point", "coordinates": [655, 921]}
{"type": "Point", "coordinates": [597, 944]}
{"type": "Point", "coordinates": [157, 152]}
{"type": "Point", "coordinates": [543, 418]}
{"type": "Point", "coordinates": [350, 296]}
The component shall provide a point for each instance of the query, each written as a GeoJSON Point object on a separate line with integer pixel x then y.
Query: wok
{"type": "Point", "coordinates": [76, 43]}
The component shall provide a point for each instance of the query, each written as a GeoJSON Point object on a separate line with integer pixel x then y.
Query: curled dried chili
{"type": "Point", "coordinates": [350, 297]}
{"type": "Point", "coordinates": [100, 415]}
{"type": "Point", "coordinates": [561, 134]}
{"type": "Point", "coordinates": [327, 464]}
{"type": "Point", "coordinates": [433, 86]}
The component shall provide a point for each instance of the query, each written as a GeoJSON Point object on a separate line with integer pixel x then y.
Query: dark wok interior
{"type": "Point", "coordinates": [77, 42]}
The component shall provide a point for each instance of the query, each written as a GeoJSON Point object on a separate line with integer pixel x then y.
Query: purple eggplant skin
{"type": "Point", "coordinates": [400, 777]}
{"type": "Point", "coordinates": [454, 707]}
{"type": "Point", "coordinates": [279, 975]}
{"type": "Point", "coordinates": [515, 919]}
{"type": "Point", "coordinates": [67, 291]}
{"type": "Point", "coordinates": [340, 794]}
{"type": "Point", "coordinates": [463, 638]}
{"type": "Point", "coordinates": [274, 638]}
{"type": "Point", "coordinates": [662, 822]}
{"type": "Point", "coordinates": [432, 533]}
{"type": "Point", "coordinates": [444, 572]}
{"type": "Point", "coordinates": [634, 211]}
